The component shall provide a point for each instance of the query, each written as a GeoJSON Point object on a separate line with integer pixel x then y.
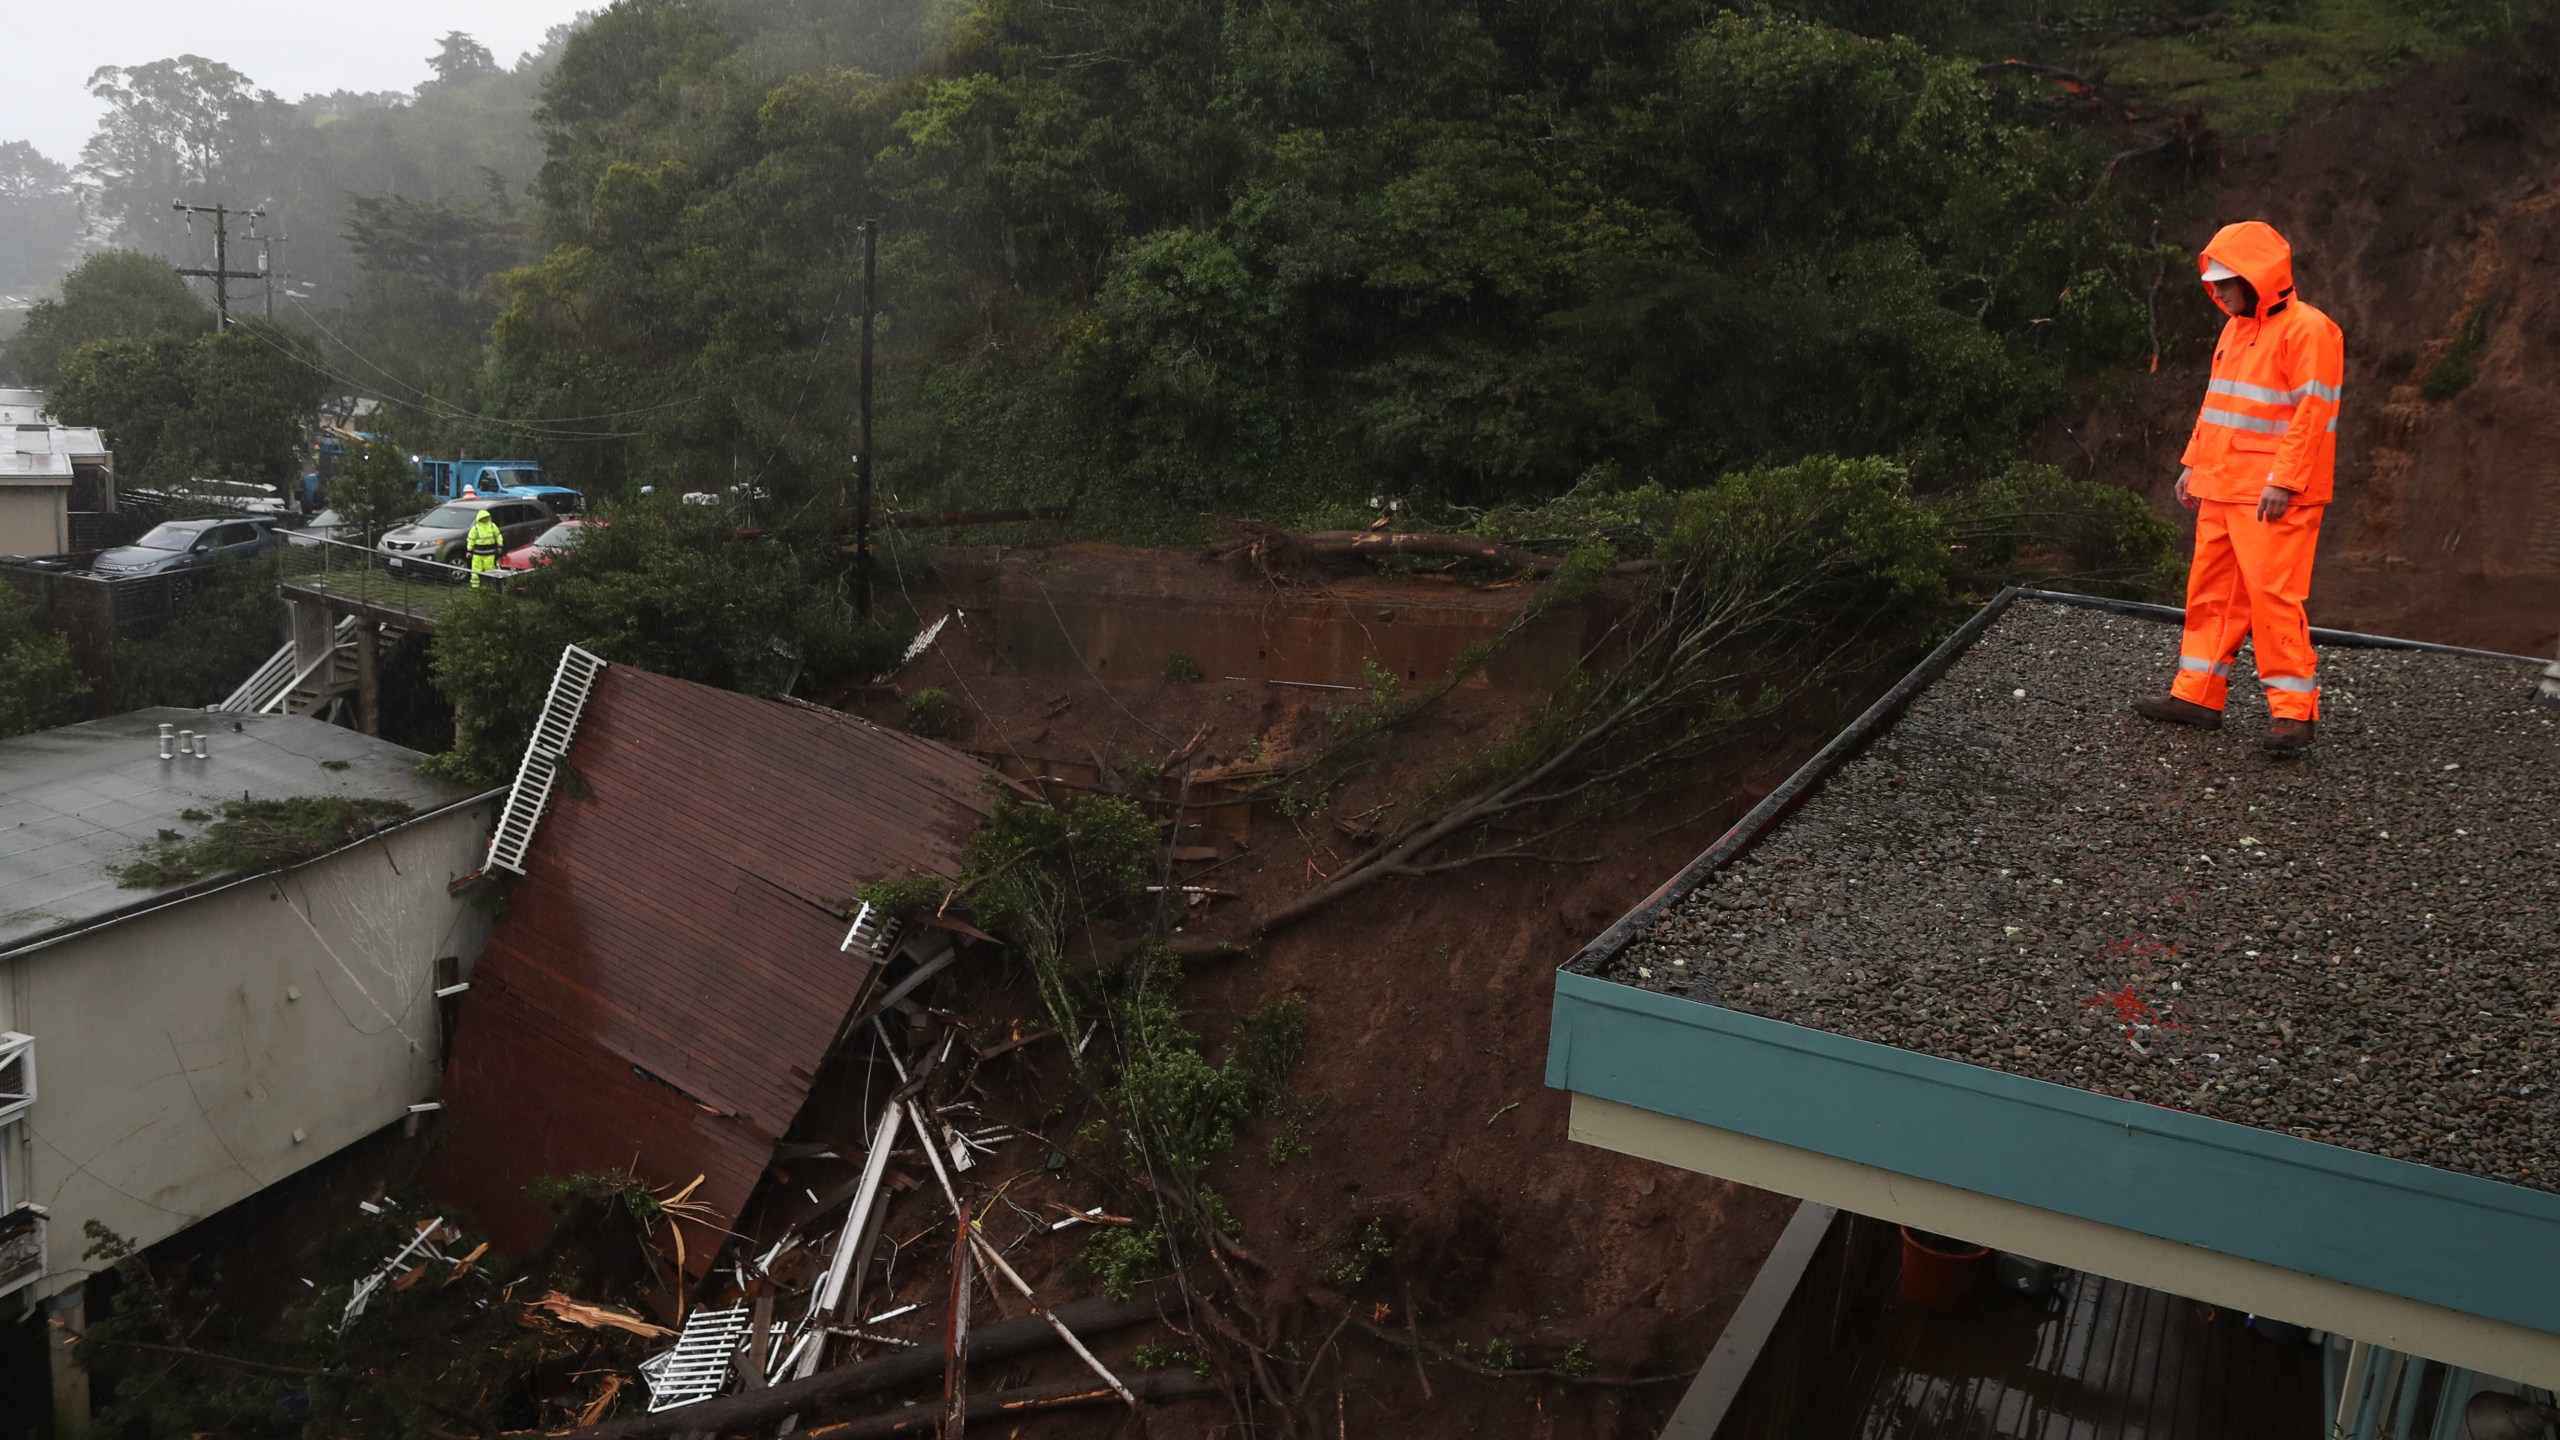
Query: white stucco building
{"type": "Point", "coordinates": [166, 1053]}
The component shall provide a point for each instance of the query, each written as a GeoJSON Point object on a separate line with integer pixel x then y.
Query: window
{"type": "Point", "coordinates": [17, 1074]}
{"type": "Point", "coordinates": [22, 1225]}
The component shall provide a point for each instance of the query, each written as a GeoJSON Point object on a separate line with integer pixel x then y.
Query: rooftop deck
{"type": "Point", "coordinates": [2359, 947]}
{"type": "Point", "coordinates": [2137, 999]}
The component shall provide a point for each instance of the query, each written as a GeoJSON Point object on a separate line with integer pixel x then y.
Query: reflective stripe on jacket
{"type": "Point", "coordinates": [2270, 414]}
{"type": "Point", "coordinates": [486, 539]}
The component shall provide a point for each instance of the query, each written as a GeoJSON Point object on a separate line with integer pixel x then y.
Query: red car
{"type": "Point", "coordinates": [548, 546]}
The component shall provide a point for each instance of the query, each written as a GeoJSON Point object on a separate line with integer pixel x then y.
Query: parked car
{"type": "Point", "coordinates": [190, 545]}
{"type": "Point", "coordinates": [550, 545]}
{"type": "Point", "coordinates": [440, 534]}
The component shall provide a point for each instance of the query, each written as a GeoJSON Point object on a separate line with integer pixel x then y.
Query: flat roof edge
{"type": "Point", "coordinates": [215, 884]}
{"type": "Point", "coordinates": [2392, 1226]}
{"type": "Point", "coordinates": [2491, 1347]}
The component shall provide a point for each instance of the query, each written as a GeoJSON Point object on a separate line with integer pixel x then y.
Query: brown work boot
{"type": "Point", "coordinates": [2288, 737]}
{"type": "Point", "coordinates": [2178, 712]}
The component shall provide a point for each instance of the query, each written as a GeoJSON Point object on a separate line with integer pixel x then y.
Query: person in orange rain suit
{"type": "Point", "coordinates": [2258, 474]}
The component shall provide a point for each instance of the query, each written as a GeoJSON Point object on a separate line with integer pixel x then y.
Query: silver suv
{"type": "Point", "coordinates": [441, 534]}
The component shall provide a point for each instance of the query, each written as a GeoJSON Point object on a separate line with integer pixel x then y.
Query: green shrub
{"type": "Point", "coordinates": [39, 687]}
{"type": "Point", "coordinates": [251, 836]}
{"type": "Point", "coordinates": [2460, 365]}
{"type": "Point", "coordinates": [932, 714]}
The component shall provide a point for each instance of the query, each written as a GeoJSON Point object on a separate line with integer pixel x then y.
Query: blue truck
{"type": "Point", "coordinates": [444, 479]}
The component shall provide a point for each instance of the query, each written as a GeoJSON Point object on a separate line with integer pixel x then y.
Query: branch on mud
{"type": "Point", "coordinates": [1446, 1356]}
{"type": "Point", "coordinates": [1274, 551]}
{"type": "Point", "coordinates": [1785, 579]}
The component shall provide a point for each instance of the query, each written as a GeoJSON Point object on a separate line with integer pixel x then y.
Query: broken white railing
{"type": "Point", "coordinates": [571, 684]}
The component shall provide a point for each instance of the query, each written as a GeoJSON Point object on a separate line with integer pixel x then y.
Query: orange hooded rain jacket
{"type": "Point", "coordinates": [2270, 414]}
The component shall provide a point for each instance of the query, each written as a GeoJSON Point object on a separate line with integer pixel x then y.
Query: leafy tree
{"type": "Point", "coordinates": [446, 249]}
{"type": "Point", "coordinates": [184, 128]}
{"type": "Point", "coordinates": [458, 58]}
{"type": "Point", "coordinates": [375, 488]}
{"type": "Point", "coordinates": [228, 627]}
{"type": "Point", "coordinates": [670, 588]}
{"type": "Point", "coordinates": [112, 295]}
{"type": "Point", "coordinates": [39, 688]}
{"type": "Point", "coordinates": [226, 406]}
{"type": "Point", "coordinates": [39, 217]}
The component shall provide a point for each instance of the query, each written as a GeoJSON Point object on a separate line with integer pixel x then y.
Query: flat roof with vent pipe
{"type": "Point", "coordinates": [77, 801]}
{"type": "Point", "coordinates": [2007, 963]}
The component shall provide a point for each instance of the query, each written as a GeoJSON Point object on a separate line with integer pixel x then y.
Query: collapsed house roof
{"type": "Point", "coordinates": [79, 801]}
{"type": "Point", "coordinates": [667, 977]}
{"type": "Point", "coordinates": [2004, 938]}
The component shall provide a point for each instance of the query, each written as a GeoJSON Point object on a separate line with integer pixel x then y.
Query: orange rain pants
{"type": "Point", "coordinates": [2250, 577]}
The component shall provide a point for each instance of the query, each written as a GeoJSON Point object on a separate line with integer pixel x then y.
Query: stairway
{"type": "Point", "coordinates": [279, 688]}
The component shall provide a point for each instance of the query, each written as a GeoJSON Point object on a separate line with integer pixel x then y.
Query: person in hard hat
{"type": "Point", "coordinates": [487, 543]}
{"type": "Point", "coordinates": [2258, 473]}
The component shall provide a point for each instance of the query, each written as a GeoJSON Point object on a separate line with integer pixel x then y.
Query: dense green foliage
{"type": "Point", "coordinates": [671, 588]}
{"type": "Point", "coordinates": [226, 628]}
{"type": "Point", "coordinates": [39, 688]}
{"type": "Point", "coordinates": [112, 295]}
{"type": "Point", "coordinates": [223, 406]}
{"type": "Point", "coordinates": [1277, 258]}
{"type": "Point", "coordinates": [375, 488]}
{"type": "Point", "coordinates": [249, 836]}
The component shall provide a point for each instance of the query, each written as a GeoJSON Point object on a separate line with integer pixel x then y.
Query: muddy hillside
{"type": "Point", "coordinates": [2425, 219]}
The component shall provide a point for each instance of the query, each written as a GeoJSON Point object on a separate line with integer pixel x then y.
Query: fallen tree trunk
{"type": "Point", "coordinates": [760, 1407]}
{"type": "Point", "coordinates": [1007, 1404]}
{"type": "Point", "coordinates": [1274, 548]}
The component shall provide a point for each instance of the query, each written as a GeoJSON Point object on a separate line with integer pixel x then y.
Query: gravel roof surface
{"type": "Point", "coordinates": [2358, 946]}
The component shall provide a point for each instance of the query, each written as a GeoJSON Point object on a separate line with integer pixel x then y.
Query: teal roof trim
{"type": "Point", "coordinates": [2468, 1244]}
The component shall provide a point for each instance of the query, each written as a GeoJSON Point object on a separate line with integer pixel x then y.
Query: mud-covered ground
{"type": "Point", "coordinates": [2358, 946]}
{"type": "Point", "coordinates": [2424, 220]}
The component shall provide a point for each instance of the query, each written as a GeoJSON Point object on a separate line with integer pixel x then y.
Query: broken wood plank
{"type": "Point", "coordinates": [598, 1317]}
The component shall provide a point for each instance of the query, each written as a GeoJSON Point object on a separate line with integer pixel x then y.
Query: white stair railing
{"type": "Point", "coordinates": [571, 684]}
{"type": "Point", "coordinates": [277, 678]}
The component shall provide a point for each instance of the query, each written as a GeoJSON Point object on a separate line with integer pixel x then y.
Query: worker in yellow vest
{"type": "Point", "coordinates": [486, 543]}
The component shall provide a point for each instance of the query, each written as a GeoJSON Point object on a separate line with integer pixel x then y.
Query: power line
{"type": "Point", "coordinates": [434, 404]}
{"type": "Point", "coordinates": [359, 386]}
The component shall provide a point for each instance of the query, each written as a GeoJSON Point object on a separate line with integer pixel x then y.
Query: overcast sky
{"type": "Point", "coordinates": [293, 47]}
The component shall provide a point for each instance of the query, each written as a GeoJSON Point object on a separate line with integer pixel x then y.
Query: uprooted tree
{"type": "Point", "coordinates": [1765, 586]}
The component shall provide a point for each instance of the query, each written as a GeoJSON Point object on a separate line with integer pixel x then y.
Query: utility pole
{"type": "Point", "coordinates": [862, 455]}
{"type": "Point", "coordinates": [266, 268]}
{"type": "Point", "coordinates": [221, 274]}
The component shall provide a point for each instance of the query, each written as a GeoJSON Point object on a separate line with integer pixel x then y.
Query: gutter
{"type": "Point", "coordinates": [152, 904]}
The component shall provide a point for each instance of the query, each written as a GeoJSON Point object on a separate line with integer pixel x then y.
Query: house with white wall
{"type": "Point", "coordinates": [169, 1050]}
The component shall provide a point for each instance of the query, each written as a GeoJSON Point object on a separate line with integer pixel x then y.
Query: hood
{"type": "Point", "coordinates": [134, 557]}
{"type": "Point", "coordinates": [2259, 255]}
{"type": "Point", "coordinates": [415, 531]}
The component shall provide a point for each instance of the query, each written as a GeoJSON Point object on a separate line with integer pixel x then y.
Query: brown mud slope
{"type": "Point", "coordinates": [1420, 1106]}
{"type": "Point", "coordinates": [2425, 217]}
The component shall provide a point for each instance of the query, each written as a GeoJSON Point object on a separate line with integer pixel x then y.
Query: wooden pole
{"type": "Point", "coordinates": [862, 455]}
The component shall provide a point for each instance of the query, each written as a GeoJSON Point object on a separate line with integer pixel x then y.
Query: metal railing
{"type": "Point", "coordinates": [408, 587]}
